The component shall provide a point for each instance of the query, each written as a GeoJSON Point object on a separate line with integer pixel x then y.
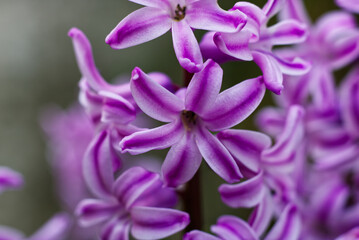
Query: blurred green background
{"type": "Point", "coordinates": [38, 68]}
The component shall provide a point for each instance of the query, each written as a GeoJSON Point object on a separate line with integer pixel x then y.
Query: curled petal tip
{"type": "Point", "coordinates": [73, 32]}
{"type": "Point", "coordinates": [189, 65]}
{"type": "Point", "coordinates": [136, 73]}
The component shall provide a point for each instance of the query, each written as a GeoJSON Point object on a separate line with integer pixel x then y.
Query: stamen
{"type": "Point", "coordinates": [180, 13]}
{"type": "Point", "coordinates": [189, 119]}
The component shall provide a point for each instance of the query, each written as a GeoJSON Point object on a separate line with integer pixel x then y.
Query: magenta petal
{"type": "Point", "coordinates": [271, 120]}
{"type": "Point", "coordinates": [234, 228]}
{"type": "Point", "coordinates": [198, 235]}
{"type": "Point", "coordinates": [97, 166]}
{"type": "Point", "coordinates": [272, 75]}
{"type": "Point", "coordinates": [245, 194]}
{"type": "Point", "coordinates": [208, 15]}
{"type": "Point", "coordinates": [94, 211]}
{"type": "Point", "coordinates": [350, 5]}
{"type": "Point", "coordinates": [140, 26]}
{"type": "Point", "coordinates": [287, 32]}
{"type": "Point", "coordinates": [133, 183]}
{"type": "Point", "coordinates": [9, 179]}
{"type": "Point", "coordinates": [157, 138]}
{"type": "Point", "coordinates": [235, 104]}
{"type": "Point", "coordinates": [7, 233]}
{"type": "Point", "coordinates": [262, 215]}
{"type": "Point", "coordinates": [217, 156]}
{"type": "Point", "coordinates": [55, 229]}
{"type": "Point", "coordinates": [204, 88]}
{"type": "Point", "coordinates": [245, 146]}
{"type": "Point", "coordinates": [155, 223]}
{"type": "Point", "coordinates": [116, 229]}
{"type": "Point", "coordinates": [293, 67]}
{"type": "Point", "coordinates": [210, 51]}
{"type": "Point", "coordinates": [294, 9]}
{"type": "Point", "coordinates": [116, 109]}
{"type": "Point", "coordinates": [182, 161]}
{"type": "Point", "coordinates": [153, 99]}
{"type": "Point", "coordinates": [345, 50]}
{"type": "Point", "coordinates": [287, 226]}
{"type": "Point", "coordinates": [186, 46]}
{"type": "Point", "coordinates": [272, 7]}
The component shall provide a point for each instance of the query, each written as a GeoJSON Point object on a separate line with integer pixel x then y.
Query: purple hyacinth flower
{"type": "Point", "coordinates": [350, 5]}
{"type": "Point", "coordinates": [191, 118]}
{"type": "Point", "coordinates": [353, 234]}
{"type": "Point", "coordinates": [136, 202]}
{"type": "Point", "coordinates": [9, 179]}
{"type": "Point", "coordinates": [159, 16]}
{"type": "Point", "coordinates": [55, 229]}
{"type": "Point", "coordinates": [255, 42]}
{"type": "Point", "coordinates": [228, 227]}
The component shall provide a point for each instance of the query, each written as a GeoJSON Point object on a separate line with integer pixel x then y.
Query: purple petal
{"type": "Point", "coordinates": [350, 5]}
{"type": "Point", "coordinates": [157, 138]}
{"type": "Point", "coordinates": [97, 165]}
{"type": "Point", "coordinates": [272, 74]}
{"type": "Point", "coordinates": [353, 234]}
{"type": "Point", "coordinates": [55, 229]}
{"type": "Point", "coordinates": [287, 143]}
{"type": "Point", "coordinates": [208, 15]}
{"type": "Point", "coordinates": [153, 99]}
{"type": "Point", "coordinates": [186, 46]}
{"type": "Point", "coordinates": [337, 157]}
{"type": "Point", "coordinates": [345, 50]}
{"type": "Point", "coordinates": [245, 194]}
{"type": "Point", "coordinates": [245, 146]}
{"type": "Point", "coordinates": [9, 179]}
{"type": "Point", "coordinates": [204, 88]}
{"type": "Point", "coordinates": [294, 9]}
{"type": "Point", "coordinates": [271, 120]}
{"type": "Point", "coordinates": [235, 45]}
{"type": "Point", "coordinates": [235, 104]}
{"type": "Point", "coordinates": [182, 161]}
{"type": "Point", "coordinates": [262, 215]}
{"type": "Point", "coordinates": [293, 67]}
{"type": "Point", "coordinates": [7, 233]}
{"type": "Point", "coordinates": [272, 7]}
{"type": "Point", "coordinates": [116, 229]}
{"type": "Point", "coordinates": [138, 27]}
{"type": "Point", "coordinates": [217, 156]}
{"type": "Point", "coordinates": [230, 227]}
{"type": "Point", "coordinates": [133, 183]}
{"type": "Point", "coordinates": [287, 32]}
{"type": "Point", "coordinates": [155, 223]}
{"type": "Point", "coordinates": [288, 225]}
{"type": "Point", "coordinates": [94, 211]}
{"type": "Point", "coordinates": [210, 51]}
{"type": "Point", "coordinates": [116, 109]}
{"type": "Point", "coordinates": [198, 235]}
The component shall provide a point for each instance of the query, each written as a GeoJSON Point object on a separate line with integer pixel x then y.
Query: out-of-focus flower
{"type": "Point", "coordinates": [159, 16]}
{"type": "Point", "coordinates": [350, 5]}
{"type": "Point", "coordinates": [9, 179]}
{"type": "Point", "coordinates": [192, 115]}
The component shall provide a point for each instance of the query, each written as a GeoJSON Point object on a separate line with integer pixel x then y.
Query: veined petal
{"type": "Point", "coordinates": [287, 32]}
{"type": "Point", "coordinates": [138, 27]}
{"type": "Point", "coordinates": [94, 211]}
{"type": "Point", "coordinates": [9, 179]}
{"type": "Point", "coordinates": [153, 99]}
{"type": "Point", "coordinates": [217, 156]}
{"type": "Point", "coordinates": [350, 5]}
{"type": "Point", "coordinates": [234, 44]}
{"type": "Point", "coordinates": [235, 104]}
{"type": "Point", "coordinates": [55, 229]}
{"type": "Point", "coordinates": [231, 227]}
{"type": "Point", "coordinates": [245, 146]}
{"type": "Point", "coordinates": [288, 225]}
{"type": "Point", "coordinates": [116, 109]}
{"type": "Point", "coordinates": [272, 7]}
{"type": "Point", "coordinates": [156, 223]}
{"type": "Point", "coordinates": [287, 143]}
{"type": "Point", "coordinates": [293, 67]}
{"type": "Point", "coordinates": [7, 233]}
{"type": "Point", "coordinates": [186, 46]}
{"type": "Point", "coordinates": [157, 138]}
{"type": "Point", "coordinates": [204, 88]}
{"type": "Point", "coordinates": [244, 194]}
{"type": "Point", "coordinates": [272, 75]}
{"type": "Point", "coordinates": [262, 215]}
{"type": "Point", "coordinates": [207, 15]}
{"type": "Point", "coordinates": [97, 166]}
{"type": "Point", "coordinates": [182, 161]}
{"type": "Point", "coordinates": [133, 183]}
{"type": "Point", "coordinates": [198, 235]}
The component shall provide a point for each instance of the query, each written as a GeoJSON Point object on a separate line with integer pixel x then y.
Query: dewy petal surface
{"type": "Point", "coordinates": [204, 88]}
{"type": "Point", "coordinates": [186, 46]}
{"type": "Point", "coordinates": [217, 156]}
{"type": "Point", "coordinates": [182, 161]}
{"type": "Point", "coordinates": [207, 15]}
{"type": "Point", "coordinates": [156, 223]}
{"type": "Point", "coordinates": [157, 138]}
{"type": "Point", "coordinates": [138, 27]}
{"type": "Point", "coordinates": [235, 104]}
{"type": "Point", "coordinates": [153, 99]}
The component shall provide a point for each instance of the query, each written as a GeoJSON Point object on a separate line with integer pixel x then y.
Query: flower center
{"type": "Point", "coordinates": [180, 13]}
{"type": "Point", "coordinates": [189, 119]}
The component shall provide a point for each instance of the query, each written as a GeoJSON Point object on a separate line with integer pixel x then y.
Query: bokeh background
{"type": "Point", "coordinates": [38, 69]}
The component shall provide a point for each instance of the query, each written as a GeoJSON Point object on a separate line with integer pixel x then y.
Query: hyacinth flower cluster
{"type": "Point", "coordinates": [298, 176]}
